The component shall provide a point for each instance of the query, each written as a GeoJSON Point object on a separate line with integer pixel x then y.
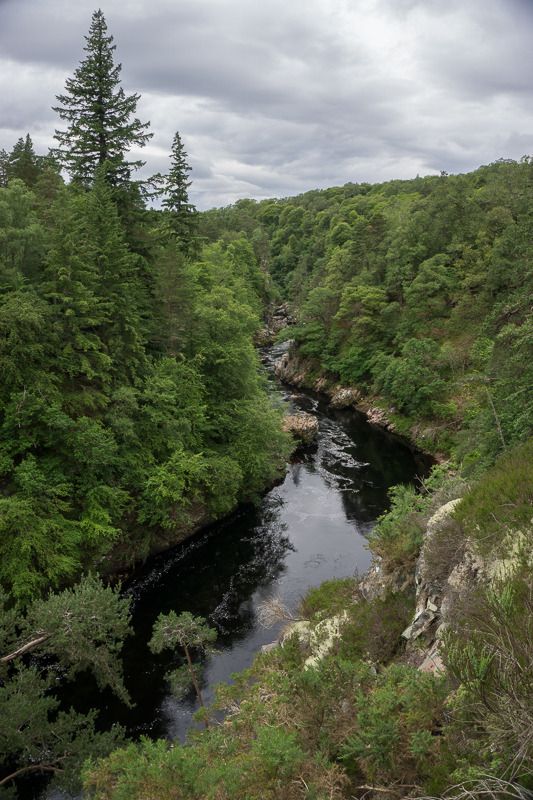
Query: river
{"type": "Point", "coordinates": [311, 527]}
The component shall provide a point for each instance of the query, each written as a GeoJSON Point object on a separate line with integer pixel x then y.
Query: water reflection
{"type": "Point", "coordinates": [310, 528]}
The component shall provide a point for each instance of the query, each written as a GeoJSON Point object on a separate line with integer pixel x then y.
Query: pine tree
{"type": "Point", "coordinates": [71, 287]}
{"type": "Point", "coordinates": [174, 188]}
{"type": "Point", "coordinates": [101, 126]}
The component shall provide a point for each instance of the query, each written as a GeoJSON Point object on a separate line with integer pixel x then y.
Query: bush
{"type": "Point", "coordinates": [501, 501]}
{"type": "Point", "coordinates": [396, 728]}
{"type": "Point", "coordinates": [373, 630]}
{"type": "Point", "coordinates": [489, 650]}
{"type": "Point", "coordinates": [397, 535]}
{"type": "Point", "coordinates": [328, 599]}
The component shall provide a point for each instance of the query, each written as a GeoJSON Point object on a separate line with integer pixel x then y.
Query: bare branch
{"type": "Point", "coordinates": [29, 768]}
{"type": "Point", "coordinates": [273, 611]}
{"type": "Point", "coordinates": [25, 648]}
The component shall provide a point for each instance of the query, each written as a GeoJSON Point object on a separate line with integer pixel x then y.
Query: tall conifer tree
{"type": "Point", "coordinates": [174, 189]}
{"type": "Point", "coordinates": [101, 126]}
{"type": "Point", "coordinates": [23, 163]}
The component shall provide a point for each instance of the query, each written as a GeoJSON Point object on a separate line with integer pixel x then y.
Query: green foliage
{"type": "Point", "coordinates": [397, 535]}
{"type": "Point", "coordinates": [500, 502]}
{"type": "Point", "coordinates": [185, 630]}
{"type": "Point", "coordinates": [99, 115]}
{"type": "Point", "coordinates": [188, 633]}
{"type": "Point", "coordinates": [373, 629]}
{"type": "Point", "coordinates": [394, 738]}
{"type": "Point", "coordinates": [488, 649]}
{"type": "Point", "coordinates": [328, 599]}
{"type": "Point", "coordinates": [131, 392]}
{"type": "Point", "coordinates": [393, 284]}
{"type": "Point", "coordinates": [78, 630]}
{"type": "Point", "coordinates": [174, 189]}
{"type": "Point", "coordinates": [412, 381]}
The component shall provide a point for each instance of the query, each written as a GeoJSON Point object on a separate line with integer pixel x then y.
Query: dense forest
{"type": "Point", "coordinates": [416, 291]}
{"type": "Point", "coordinates": [418, 294]}
{"type": "Point", "coordinates": [133, 410]}
{"type": "Point", "coordinates": [132, 406]}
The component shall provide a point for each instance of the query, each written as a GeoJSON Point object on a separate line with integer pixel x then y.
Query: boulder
{"type": "Point", "coordinates": [318, 639]}
{"type": "Point", "coordinates": [303, 426]}
{"type": "Point", "coordinates": [344, 397]}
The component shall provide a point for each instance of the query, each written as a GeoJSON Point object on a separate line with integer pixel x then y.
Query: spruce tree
{"type": "Point", "coordinates": [174, 189]}
{"type": "Point", "coordinates": [101, 127]}
{"type": "Point", "coordinates": [23, 163]}
{"type": "Point", "coordinates": [121, 290]}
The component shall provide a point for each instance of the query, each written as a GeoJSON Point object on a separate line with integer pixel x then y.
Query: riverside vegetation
{"type": "Point", "coordinates": [133, 410]}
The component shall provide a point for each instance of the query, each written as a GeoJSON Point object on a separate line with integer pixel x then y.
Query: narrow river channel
{"type": "Point", "coordinates": [311, 527]}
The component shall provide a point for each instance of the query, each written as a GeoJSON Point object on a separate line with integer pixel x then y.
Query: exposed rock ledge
{"type": "Point", "coordinates": [435, 589]}
{"type": "Point", "coordinates": [303, 426]}
{"type": "Point", "coordinates": [297, 371]}
{"type": "Point", "coordinates": [276, 320]}
{"type": "Point", "coordinates": [446, 568]}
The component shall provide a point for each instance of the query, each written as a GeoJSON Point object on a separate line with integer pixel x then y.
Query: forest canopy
{"type": "Point", "coordinates": [134, 410]}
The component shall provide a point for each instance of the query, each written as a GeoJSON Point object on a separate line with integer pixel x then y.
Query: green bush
{"type": "Point", "coordinates": [501, 501]}
{"type": "Point", "coordinates": [397, 535]}
{"type": "Point", "coordinates": [396, 725]}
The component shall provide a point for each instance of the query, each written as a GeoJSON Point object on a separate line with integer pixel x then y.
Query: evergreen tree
{"type": "Point", "coordinates": [23, 163]}
{"type": "Point", "coordinates": [79, 630]}
{"type": "Point", "coordinates": [101, 127]}
{"type": "Point", "coordinates": [4, 168]}
{"type": "Point", "coordinates": [189, 633]}
{"type": "Point", "coordinates": [174, 188]}
{"type": "Point", "coordinates": [72, 285]}
{"type": "Point", "coordinates": [121, 290]}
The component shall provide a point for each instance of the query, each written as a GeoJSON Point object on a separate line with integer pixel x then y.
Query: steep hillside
{"type": "Point", "coordinates": [415, 292]}
{"type": "Point", "coordinates": [414, 680]}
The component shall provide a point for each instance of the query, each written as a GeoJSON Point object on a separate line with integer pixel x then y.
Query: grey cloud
{"type": "Point", "coordinates": [278, 97]}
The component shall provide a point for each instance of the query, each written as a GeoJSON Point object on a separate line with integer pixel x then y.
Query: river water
{"type": "Point", "coordinates": [311, 527]}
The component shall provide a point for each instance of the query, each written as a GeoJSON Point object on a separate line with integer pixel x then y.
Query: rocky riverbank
{"type": "Point", "coordinates": [297, 370]}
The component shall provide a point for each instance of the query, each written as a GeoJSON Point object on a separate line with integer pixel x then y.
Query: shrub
{"type": "Point", "coordinates": [397, 535]}
{"type": "Point", "coordinates": [501, 501]}
{"type": "Point", "coordinates": [328, 599]}
{"type": "Point", "coordinates": [374, 627]}
{"type": "Point", "coordinates": [396, 728]}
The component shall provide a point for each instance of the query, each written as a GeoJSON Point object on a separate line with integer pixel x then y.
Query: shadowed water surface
{"type": "Point", "coordinates": [311, 527]}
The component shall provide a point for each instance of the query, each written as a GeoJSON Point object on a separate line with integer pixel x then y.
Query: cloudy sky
{"type": "Point", "coordinates": [273, 97]}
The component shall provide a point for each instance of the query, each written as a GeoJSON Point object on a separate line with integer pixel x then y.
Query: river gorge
{"type": "Point", "coordinates": [309, 528]}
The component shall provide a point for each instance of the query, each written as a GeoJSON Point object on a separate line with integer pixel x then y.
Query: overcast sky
{"type": "Point", "coordinates": [273, 97]}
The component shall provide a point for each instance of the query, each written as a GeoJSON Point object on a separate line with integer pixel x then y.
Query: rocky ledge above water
{"type": "Point", "coordinates": [303, 426]}
{"type": "Point", "coordinates": [276, 320]}
{"type": "Point", "coordinates": [297, 371]}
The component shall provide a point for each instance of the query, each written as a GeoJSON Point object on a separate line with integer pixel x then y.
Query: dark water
{"type": "Point", "coordinates": [310, 528]}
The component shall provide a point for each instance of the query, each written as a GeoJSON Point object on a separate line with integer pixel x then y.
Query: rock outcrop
{"type": "Point", "coordinates": [277, 319]}
{"type": "Point", "coordinates": [344, 397]}
{"type": "Point", "coordinates": [446, 568]}
{"type": "Point", "coordinates": [303, 426]}
{"type": "Point", "coordinates": [302, 372]}
{"type": "Point", "coordinates": [316, 639]}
